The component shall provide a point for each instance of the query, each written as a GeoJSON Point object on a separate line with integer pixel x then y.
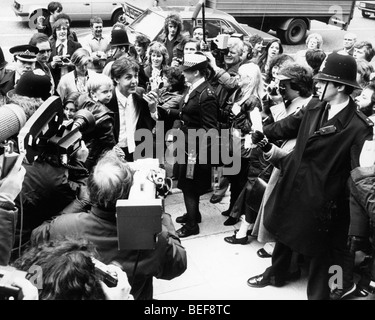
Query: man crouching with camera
{"type": "Point", "coordinates": [110, 180]}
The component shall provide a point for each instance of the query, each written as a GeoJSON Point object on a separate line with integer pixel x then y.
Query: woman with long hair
{"type": "Point", "coordinates": [245, 105]}
{"type": "Point", "coordinates": [273, 48]}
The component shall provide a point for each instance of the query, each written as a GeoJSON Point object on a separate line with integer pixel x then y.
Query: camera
{"type": "Point", "coordinates": [7, 275]}
{"type": "Point", "coordinates": [46, 135]}
{"type": "Point", "coordinates": [108, 277]}
{"type": "Point", "coordinates": [65, 59]}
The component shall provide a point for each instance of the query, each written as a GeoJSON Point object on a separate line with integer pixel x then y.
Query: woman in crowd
{"type": "Point", "coordinates": [313, 41]}
{"type": "Point", "coordinates": [245, 106]}
{"type": "Point", "coordinates": [76, 80]}
{"type": "Point", "coordinates": [198, 111]}
{"type": "Point", "coordinates": [157, 62]}
{"type": "Point", "coordinates": [273, 48]}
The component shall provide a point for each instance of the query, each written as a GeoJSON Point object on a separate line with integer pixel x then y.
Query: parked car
{"type": "Point", "coordinates": [367, 8]}
{"type": "Point", "coordinates": [151, 22]}
{"type": "Point", "coordinates": [78, 10]}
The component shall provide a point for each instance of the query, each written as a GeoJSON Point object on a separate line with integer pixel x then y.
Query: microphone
{"type": "Point", "coordinates": [12, 119]}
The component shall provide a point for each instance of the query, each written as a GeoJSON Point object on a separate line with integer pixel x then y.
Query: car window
{"type": "Point", "coordinates": [150, 24]}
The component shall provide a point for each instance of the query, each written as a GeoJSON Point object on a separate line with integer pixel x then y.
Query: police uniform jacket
{"type": "Point", "coordinates": [200, 111]}
{"type": "Point", "coordinates": [310, 200]}
{"type": "Point", "coordinates": [7, 83]}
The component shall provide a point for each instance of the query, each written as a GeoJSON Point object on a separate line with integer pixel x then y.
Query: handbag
{"type": "Point", "coordinates": [256, 188]}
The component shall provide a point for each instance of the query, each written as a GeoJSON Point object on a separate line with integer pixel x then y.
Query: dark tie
{"type": "Point", "coordinates": [60, 50]}
{"type": "Point", "coordinates": [324, 118]}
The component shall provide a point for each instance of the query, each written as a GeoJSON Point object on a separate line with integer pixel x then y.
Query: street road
{"type": "Point", "coordinates": [14, 32]}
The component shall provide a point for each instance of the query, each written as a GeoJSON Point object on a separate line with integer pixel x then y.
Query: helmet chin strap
{"type": "Point", "coordinates": [324, 91]}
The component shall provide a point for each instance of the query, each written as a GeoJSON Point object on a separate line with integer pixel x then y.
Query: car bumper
{"type": "Point", "coordinates": [367, 7]}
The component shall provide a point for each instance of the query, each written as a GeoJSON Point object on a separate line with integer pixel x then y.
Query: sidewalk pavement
{"type": "Point", "coordinates": [216, 269]}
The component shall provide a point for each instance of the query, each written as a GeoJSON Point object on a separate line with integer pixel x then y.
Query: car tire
{"type": "Point", "coordinates": [365, 14]}
{"type": "Point", "coordinates": [295, 33]}
{"type": "Point", "coordinates": [116, 17]}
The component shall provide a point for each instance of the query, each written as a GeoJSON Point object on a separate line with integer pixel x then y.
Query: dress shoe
{"type": "Point", "coordinates": [260, 282]}
{"type": "Point", "coordinates": [234, 240]}
{"type": "Point", "coordinates": [216, 198]}
{"type": "Point", "coordinates": [226, 213]}
{"type": "Point", "coordinates": [231, 221]}
{"type": "Point", "coordinates": [248, 233]}
{"type": "Point", "coordinates": [339, 294]}
{"type": "Point", "coordinates": [187, 232]}
{"type": "Point", "coordinates": [263, 253]}
{"type": "Point", "coordinates": [183, 219]}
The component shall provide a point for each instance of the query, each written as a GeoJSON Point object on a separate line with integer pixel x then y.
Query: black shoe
{"type": "Point", "coordinates": [187, 232]}
{"type": "Point", "coordinates": [248, 233]}
{"type": "Point", "coordinates": [234, 240]}
{"type": "Point", "coordinates": [260, 282]}
{"type": "Point", "coordinates": [183, 219]}
{"type": "Point", "coordinates": [263, 253]}
{"type": "Point", "coordinates": [339, 294]}
{"type": "Point", "coordinates": [226, 213]}
{"type": "Point", "coordinates": [216, 198]}
{"type": "Point", "coordinates": [231, 221]}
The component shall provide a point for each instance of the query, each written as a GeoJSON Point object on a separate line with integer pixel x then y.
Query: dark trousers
{"type": "Point", "coordinates": [319, 269]}
{"type": "Point", "coordinates": [191, 200]}
{"type": "Point", "coordinates": [128, 156]}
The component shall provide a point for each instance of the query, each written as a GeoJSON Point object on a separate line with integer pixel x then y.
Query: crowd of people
{"type": "Point", "coordinates": [302, 123]}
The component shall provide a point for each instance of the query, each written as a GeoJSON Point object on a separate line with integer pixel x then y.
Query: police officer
{"type": "Point", "coordinates": [308, 210]}
{"type": "Point", "coordinates": [198, 110]}
{"type": "Point", "coordinates": [24, 58]}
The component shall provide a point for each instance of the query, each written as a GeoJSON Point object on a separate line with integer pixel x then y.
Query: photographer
{"type": "Point", "coordinates": [67, 272]}
{"type": "Point", "coordinates": [62, 48]}
{"type": "Point", "coordinates": [225, 82]}
{"type": "Point", "coordinates": [111, 180]}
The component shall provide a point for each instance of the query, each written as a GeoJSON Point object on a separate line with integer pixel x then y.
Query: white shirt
{"type": "Point", "coordinates": [335, 109]}
{"type": "Point", "coordinates": [128, 121]}
{"type": "Point", "coordinates": [65, 49]}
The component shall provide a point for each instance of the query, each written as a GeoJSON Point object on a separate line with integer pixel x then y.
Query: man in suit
{"type": "Point", "coordinates": [308, 209]}
{"type": "Point", "coordinates": [62, 49]}
{"type": "Point", "coordinates": [25, 58]}
{"type": "Point", "coordinates": [131, 112]}
{"type": "Point", "coordinates": [40, 40]}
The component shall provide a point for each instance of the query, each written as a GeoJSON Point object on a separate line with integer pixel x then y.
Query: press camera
{"type": "Point", "coordinates": [7, 276]}
{"type": "Point", "coordinates": [47, 135]}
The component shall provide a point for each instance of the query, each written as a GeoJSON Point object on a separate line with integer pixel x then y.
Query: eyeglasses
{"type": "Point", "coordinates": [44, 51]}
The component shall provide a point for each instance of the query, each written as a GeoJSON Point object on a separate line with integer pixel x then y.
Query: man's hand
{"type": "Point", "coordinates": [261, 141]}
{"type": "Point", "coordinates": [122, 290]}
{"type": "Point", "coordinates": [152, 100]}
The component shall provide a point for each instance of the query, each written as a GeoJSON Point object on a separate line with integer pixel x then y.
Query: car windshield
{"type": "Point", "coordinates": [149, 23]}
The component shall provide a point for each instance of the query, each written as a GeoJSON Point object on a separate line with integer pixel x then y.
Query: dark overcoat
{"type": "Point", "coordinates": [199, 112]}
{"type": "Point", "coordinates": [309, 204]}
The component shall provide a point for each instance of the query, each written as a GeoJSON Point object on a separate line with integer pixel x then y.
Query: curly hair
{"type": "Point", "coordinates": [175, 78]}
{"type": "Point", "coordinates": [175, 19]}
{"type": "Point", "coordinates": [67, 270]}
{"type": "Point", "coordinates": [301, 78]}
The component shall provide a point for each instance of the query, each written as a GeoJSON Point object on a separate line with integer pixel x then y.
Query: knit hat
{"type": "Point", "coordinates": [33, 84]}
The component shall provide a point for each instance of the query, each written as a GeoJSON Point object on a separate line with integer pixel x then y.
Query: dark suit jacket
{"type": "Point", "coordinates": [145, 120]}
{"type": "Point", "coordinates": [7, 83]}
{"type": "Point", "coordinates": [72, 46]}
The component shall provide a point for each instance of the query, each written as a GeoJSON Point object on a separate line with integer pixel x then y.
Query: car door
{"type": "Point", "coordinates": [105, 8]}
{"type": "Point", "coordinates": [77, 10]}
